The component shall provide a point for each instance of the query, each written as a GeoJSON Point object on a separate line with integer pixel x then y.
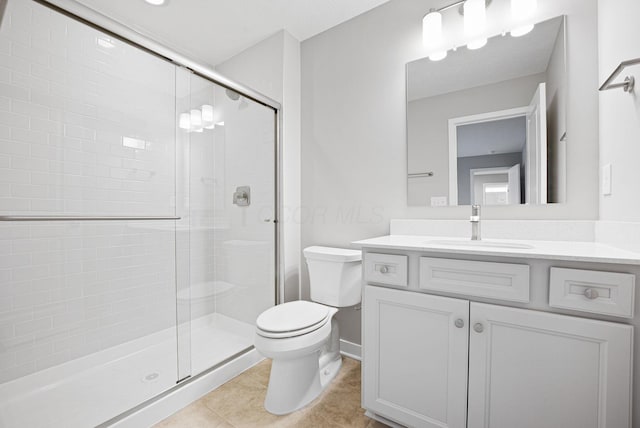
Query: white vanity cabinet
{"type": "Point", "coordinates": [522, 368]}
{"type": "Point", "coordinates": [436, 361]}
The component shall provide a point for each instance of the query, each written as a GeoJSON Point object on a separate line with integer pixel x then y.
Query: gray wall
{"type": "Point", "coordinates": [353, 128]}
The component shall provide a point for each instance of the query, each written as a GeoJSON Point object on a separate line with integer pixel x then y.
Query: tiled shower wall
{"type": "Point", "coordinates": [87, 127]}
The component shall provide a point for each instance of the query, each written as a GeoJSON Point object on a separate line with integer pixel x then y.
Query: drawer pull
{"type": "Point", "coordinates": [459, 323]}
{"type": "Point", "coordinates": [591, 294]}
{"type": "Point", "coordinates": [384, 269]}
{"type": "Point", "coordinates": [479, 328]}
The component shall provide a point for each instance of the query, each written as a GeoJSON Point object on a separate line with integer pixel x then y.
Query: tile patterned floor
{"type": "Point", "coordinates": [239, 404]}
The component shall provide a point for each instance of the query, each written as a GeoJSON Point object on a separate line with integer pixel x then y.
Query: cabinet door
{"type": "Point", "coordinates": [530, 369]}
{"type": "Point", "coordinates": [415, 357]}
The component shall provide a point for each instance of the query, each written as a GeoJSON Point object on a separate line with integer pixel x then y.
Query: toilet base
{"type": "Point", "coordinates": [294, 383]}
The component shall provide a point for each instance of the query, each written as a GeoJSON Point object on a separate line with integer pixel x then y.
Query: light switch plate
{"type": "Point", "coordinates": [606, 179]}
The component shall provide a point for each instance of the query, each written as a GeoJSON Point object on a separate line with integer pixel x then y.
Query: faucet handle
{"type": "Point", "coordinates": [475, 210]}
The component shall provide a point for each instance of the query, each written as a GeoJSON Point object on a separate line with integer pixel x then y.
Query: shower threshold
{"type": "Point", "coordinates": [95, 388]}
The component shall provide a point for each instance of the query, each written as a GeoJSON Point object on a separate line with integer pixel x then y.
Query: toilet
{"type": "Point", "coordinates": [302, 337]}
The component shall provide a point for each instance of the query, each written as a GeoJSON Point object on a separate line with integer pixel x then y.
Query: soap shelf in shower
{"type": "Point", "coordinates": [629, 81]}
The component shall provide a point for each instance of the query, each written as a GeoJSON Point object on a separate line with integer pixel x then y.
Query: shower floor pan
{"type": "Point", "coordinates": [92, 389]}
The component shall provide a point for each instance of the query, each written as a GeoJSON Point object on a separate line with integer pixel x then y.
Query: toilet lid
{"type": "Point", "coordinates": [292, 317]}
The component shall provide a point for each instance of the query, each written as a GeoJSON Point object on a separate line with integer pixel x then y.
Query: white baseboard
{"type": "Point", "coordinates": [351, 350]}
{"type": "Point", "coordinates": [187, 393]}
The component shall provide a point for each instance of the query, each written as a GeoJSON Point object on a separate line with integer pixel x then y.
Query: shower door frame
{"type": "Point", "coordinates": [125, 34]}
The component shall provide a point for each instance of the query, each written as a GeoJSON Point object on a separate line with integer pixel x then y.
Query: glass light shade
{"type": "Point", "coordinates": [155, 2]}
{"type": "Point", "coordinates": [476, 44]}
{"type": "Point", "coordinates": [521, 31]}
{"type": "Point", "coordinates": [438, 56]}
{"type": "Point", "coordinates": [523, 9]}
{"type": "Point", "coordinates": [207, 117]}
{"type": "Point", "coordinates": [196, 120]}
{"type": "Point", "coordinates": [432, 29]}
{"type": "Point", "coordinates": [185, 121]}
{"type": "Point", "coordinates": [475, 18]}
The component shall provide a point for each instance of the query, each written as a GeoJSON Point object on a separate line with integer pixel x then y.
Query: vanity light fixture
{"type": "Point", "coordinates": [156, 2]}
{"type": "Point", "coordinates": [475, 19]}
{"type": "Point", "coordinates": [197, 120]}
{"type": "Point", "coordinates": [523, 11]}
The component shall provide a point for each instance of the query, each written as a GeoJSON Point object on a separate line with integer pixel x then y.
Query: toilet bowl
{"type": "Point", "coordinates": [302, 337]}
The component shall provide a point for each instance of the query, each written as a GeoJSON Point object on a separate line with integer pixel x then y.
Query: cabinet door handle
{"type": "Point", "coordinates": [591, 293]}
{"type": "Point", "coordinates": [459, 323]}
{"type": "Point", "coordinates": [479, 328]}
{"type": "Point", "coordinates": [384, 269]}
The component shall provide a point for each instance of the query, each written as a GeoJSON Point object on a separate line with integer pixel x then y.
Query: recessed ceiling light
{"type": "Point", "coordinates": [156, 2]}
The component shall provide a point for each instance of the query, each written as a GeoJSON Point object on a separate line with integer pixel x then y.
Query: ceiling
{"type": "Point", "coordinates": [213, 31]}
{"type": "Point", "coordinates": [492, 137]}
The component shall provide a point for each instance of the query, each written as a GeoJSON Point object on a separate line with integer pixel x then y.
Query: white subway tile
{"type": "Point", "coordinates": [30, 53]}
{"type": "Point", "coordinates": [13, 120]}
{"type": "Point", "coordinates": [29, 82]}
{"type": "Point", "coordinates": [15, 64]}
{"type": "Point", "coordinates": [48, 126]}
{"type": "Point", "coordinates": [28, 191]}
{"type": "Point", "coordinates": [5, 103]}
{"type": "Point", "coordinates": [30, 164]}
{"type": "Point", "coordinates": [28, 327]}
{"type": "Point", "coordinates": [27, 136]}
{"type": "Point", "coordinates": [13, 204]}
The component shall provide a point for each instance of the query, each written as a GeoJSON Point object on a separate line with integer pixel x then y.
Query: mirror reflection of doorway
{"type": "Point", "coordinates": [495, 186]}
{"type": "Point", "coordinates": [500, 139]}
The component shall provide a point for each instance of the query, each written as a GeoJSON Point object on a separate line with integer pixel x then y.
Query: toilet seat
{"type": "Point", "coordinates": [292, 319]}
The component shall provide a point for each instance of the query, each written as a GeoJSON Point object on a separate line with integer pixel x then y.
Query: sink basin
{"type": "Point", "coordinates": [480, 244]}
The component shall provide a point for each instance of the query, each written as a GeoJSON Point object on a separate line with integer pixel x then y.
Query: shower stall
{"type": "Point", "coordinates": [138, 207]}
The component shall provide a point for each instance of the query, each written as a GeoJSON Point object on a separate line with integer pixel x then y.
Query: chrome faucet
{"type": "Point", "coordinates": [475, 222]}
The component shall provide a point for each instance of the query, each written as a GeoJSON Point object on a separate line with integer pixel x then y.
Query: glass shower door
{"type": "Point", "coordinates": [229, 150]}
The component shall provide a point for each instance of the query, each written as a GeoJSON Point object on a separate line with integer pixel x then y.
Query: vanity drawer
{"type": "Point", "coordinates": [607, 293]}
{"type": "Point", "coordinates": [503, 281]}
{"type": "Point", "coordinates": [388, 269]}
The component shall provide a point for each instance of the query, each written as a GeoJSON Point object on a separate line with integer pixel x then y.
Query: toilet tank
{"type": "Point", "coordinates": [334, 275]}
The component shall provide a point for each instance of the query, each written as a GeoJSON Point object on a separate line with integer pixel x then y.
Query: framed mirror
{"type": "Point", "coordinates": [488, 126]}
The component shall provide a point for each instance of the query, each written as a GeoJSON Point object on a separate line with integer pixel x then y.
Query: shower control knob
{"type": "Point", "coordinates": [478, 328]}
{"type": "Point", "coordinates": [459, 323]}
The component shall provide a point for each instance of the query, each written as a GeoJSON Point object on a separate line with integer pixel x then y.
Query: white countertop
{"type": "Point", "coordinates": [548, 250]}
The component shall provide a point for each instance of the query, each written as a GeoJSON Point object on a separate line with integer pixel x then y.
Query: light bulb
{"type": "Point", "coordinates": [476, 44]}
{"type": "Point", "coordinates": [207, 117]}
{"type": "Point", "coordinates": [196, 120]}
{"type": "Point", "coordinates": [523, 9]}
{"type": "Point", "coordinates": [475, 18]}
{"type": "Point", "coordinates": [521, 31]}
{"type": "Point", "coordinates": [432, 29]}
{"type": "Point", "coordinates": [438, 56]}
{"type": "Point", "coordinates": [521, 12]}
{"type": "Point", "coordinates": [185, 121]}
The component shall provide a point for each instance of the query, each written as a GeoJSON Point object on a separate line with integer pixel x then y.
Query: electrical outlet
{"type": "Point", "coordinates": [438, 201]}
{"type": "Point", "coordinates": [606, 179]}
